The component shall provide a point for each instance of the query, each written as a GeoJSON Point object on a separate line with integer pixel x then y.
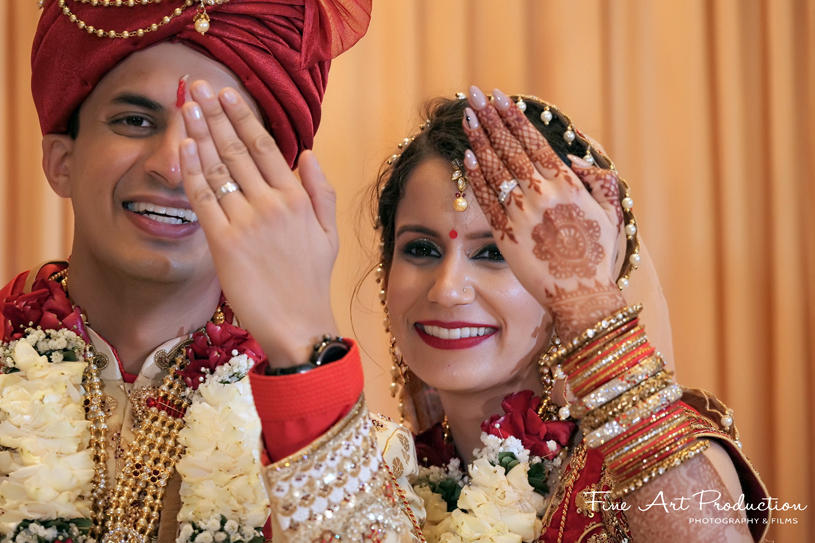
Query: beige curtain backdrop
{"type": "Point", "coordinates": [707, 108]}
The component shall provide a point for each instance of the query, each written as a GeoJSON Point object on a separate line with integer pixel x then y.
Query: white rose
{"type": "Point", "coordinates": [434, 504]}
{"type": "Point", "coordinates": [485, 474]}
{"type": "Point", "coordinates": [522, 524]}
{"type": "Point", "coordinates": [469, 527]}
{"type": "Point", "coordinates": [529, 500]}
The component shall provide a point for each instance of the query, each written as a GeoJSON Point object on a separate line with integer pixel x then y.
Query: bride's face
{"type": "Point", "coordinates": [460, 317]}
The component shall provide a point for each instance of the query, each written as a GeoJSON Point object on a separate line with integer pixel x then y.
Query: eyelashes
{"type": "Point", "coordinates": [489, 252]}
{"type": "Point", "coordinates": [421, 249]}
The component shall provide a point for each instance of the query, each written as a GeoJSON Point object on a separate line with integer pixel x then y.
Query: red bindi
{"type": "Point", "coordinates": [181, 93]}
{"type": "Point", "coordinates": [453, 234]}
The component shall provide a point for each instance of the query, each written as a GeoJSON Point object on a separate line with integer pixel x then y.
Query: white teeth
{"type": "Point", "coordinates": [457, 333]}
{"type": "Point", "coordinates": [159, 213]}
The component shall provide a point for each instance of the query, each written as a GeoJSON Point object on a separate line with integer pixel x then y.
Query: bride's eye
{"type": "Point", "coordinates": [489, 252]}
{"type": "Point", "coordinates": [421, 248]}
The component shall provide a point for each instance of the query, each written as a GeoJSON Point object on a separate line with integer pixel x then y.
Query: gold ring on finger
{"type": "Point", "coordinates": [225, 189]}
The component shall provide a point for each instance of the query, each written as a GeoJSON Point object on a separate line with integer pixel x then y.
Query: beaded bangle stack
{"type": "Point", "coordinates": [627, 401]}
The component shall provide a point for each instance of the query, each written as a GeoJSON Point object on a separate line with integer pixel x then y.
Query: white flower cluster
{"type": "Point", "coordinates": [433, 475]}
{"type": "Point", "coordinates": [50, 343]}
{"type": "Point", "coordinates": [36, 532]}
{"type": "Point", "coordinates": [495, 506]}
{"type": "Point", "coordinates": [216, 529]}
{"type": "Point", "coordinates": [493, 445]}
{"type": "Point", "coordinates": [220, 471]}
{"type": "Point", "coordinates": [234, 370]}
{"type": "Point", "coordinates": [45, 464]}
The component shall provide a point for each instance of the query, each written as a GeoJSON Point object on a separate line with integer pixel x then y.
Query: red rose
{"type": "Point", "coordinates": [432, 449]}
{"type": "Point", "coordinates": [46, 306]}
{"type": "Point", "coordinates": [213, 347]}
{"type": "Point", "coordinates": [522, 421]}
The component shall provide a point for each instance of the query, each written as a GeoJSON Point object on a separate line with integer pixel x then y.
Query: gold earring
{"type": "Point", "coordinates": [548, 410]}
{"type": "Point", "coordinates": [399, 370]}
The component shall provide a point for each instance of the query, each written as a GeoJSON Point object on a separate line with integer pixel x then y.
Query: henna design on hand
{"type": "Point", "coordinates": [603, 185]}
{"type": "Point", "coordinates": [535, 144]}
{"type": "Point", "coordinates": [508, 148]}
{"type": "Point", "coordinates": [491, 166]}
{"type": "Point", "coordinates": [655, 523]}
{"type": "Point", "coordinates": [577, 310]}
{"type": "Point", "coordinates": [548, 160]}
{"type": "Point", "coordinates": [568, 241]}
{"type": "Point", "coordinates": [489, 203]}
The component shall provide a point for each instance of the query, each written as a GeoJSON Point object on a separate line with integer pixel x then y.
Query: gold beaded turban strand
{"type": "Point", "coordinates": [201, 19]}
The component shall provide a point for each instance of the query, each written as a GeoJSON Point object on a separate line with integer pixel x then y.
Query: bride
{"type": "Point", "coordinates": [540, 406]}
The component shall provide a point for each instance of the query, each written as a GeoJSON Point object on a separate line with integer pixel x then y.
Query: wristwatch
{"type": "Point", "coordinates": [328, 349]}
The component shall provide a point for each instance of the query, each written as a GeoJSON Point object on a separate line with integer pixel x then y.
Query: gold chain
{"type": "Point", "coordinates": [135, 505]}
{"type": "Point", "coordinates": [98, 442]}
{"type": "Point", "coordinates": [119, 3]}
{"type": "Point", "coordinates": [201, 18]}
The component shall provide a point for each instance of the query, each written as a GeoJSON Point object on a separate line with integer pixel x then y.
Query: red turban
{"type": "Point", "coordinates": [279, 49]}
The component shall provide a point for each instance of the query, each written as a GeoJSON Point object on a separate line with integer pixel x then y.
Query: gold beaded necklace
{"type": "Point", "coordinates": [130, 513]}
{"type": "Point", "coordinates": [200, 20]}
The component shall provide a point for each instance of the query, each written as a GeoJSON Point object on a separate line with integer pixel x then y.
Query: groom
{"type": "Point", "coordinates": [172, 127]}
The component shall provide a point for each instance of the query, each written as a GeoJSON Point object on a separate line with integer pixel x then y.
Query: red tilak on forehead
{"type": "Point", "coordinates": [453, 234]}
{"type": "Point", "coordinates": [181, 94]}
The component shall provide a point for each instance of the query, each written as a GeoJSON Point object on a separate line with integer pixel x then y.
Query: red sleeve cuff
{"type": "Point", "coordinates": [295, 410]}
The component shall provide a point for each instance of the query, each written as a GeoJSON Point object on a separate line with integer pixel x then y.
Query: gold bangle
{"type": "Point", "coordinates": [626, 487]}
{"type": "Point", "coordinates": [597, 347]}
{"type": "Point", "coordinates": [618, 386]}
{"type": "Point", "coordinates": [605, 326]}
{"type": "Point", "coordinates": [643, 459]}
{"type": "Point", "coordinates": [597, 417]}
{"type": "Point", "coordinates": [627, 345]}
{"type": "Point", "coordinates": [630, 360]}
{"type": "Point", "coordinates": [633, 416]}
{"type": "Point", "coordinates": [663, 426]}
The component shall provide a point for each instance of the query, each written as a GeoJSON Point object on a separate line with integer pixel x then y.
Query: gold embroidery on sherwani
{"type": "Point", "coordinates": [337, 487]}
{"type": "Point", "coordinates": [398, 468]}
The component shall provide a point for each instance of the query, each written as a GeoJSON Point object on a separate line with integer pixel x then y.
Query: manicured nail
{"type": "Point", "coordinates": [472, 119]}
{"type": "Point", "coordinates": [477, 98]}
{"type": "Point", "coordinates": [188, 147]}
{"type": "Point", "coordinates": [194, 111]}
{"type": "Point", "coordinates": [229, 96]}
{"type": "Point", "coordinates": [579, 161]}
{"type": "Point", "coordinates": [203, 89]}
{"type": "Point", "coordinates": [500, 100]}
{"type": "Point", "coordinates": [469, 160]}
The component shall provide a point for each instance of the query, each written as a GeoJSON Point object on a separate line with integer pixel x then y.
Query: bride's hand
{"type": "Point", "coordinates": [273, 241]}
{"type": "Point", "coordinates": [559, 239]}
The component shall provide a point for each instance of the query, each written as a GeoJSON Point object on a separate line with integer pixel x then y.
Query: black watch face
{"type": "Point", "coordinates": [332, 353]}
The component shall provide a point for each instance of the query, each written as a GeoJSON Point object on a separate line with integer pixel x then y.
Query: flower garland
{"type": "Point", "coordinates": [46, 463]}
{"type": "Point", "coordinates": [218, 477]}
{"type": "Point", "coordinates": [503, 495]}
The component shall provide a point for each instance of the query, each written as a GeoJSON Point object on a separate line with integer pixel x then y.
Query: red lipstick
{"type": "Point", "coordinates": [452, 344]}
